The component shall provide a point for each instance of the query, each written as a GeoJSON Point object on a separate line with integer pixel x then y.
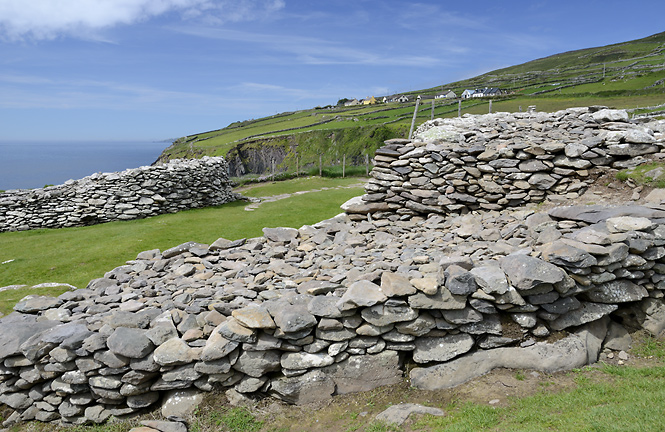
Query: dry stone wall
{"type": "Point", "coordinates": [130, 194]}
{"type": "Point", "coordinates": [495, 161]}
{"type": "Point", "coordinates": [341, 306]}
{"type": "Point", "coordinates": [337, 307]}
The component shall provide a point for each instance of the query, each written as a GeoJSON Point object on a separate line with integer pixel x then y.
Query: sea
{"type": "Point", "coordinates": [35, 164]}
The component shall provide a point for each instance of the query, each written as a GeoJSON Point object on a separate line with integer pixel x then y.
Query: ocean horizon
{"type": "Point", "coordinates": [35, 164]}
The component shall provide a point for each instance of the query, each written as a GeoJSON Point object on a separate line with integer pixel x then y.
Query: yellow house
{"type": "Point", "coordinates": [369, 101]}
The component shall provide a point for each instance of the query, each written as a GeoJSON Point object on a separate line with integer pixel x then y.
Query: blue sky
{"type": "Point", "coordinates": [160, 69]}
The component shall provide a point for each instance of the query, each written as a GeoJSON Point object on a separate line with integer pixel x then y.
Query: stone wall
{"type": "Point", "coordinates": [130, 194]}
{"type": "Point", "coordinates": [338, 307]}
{"type": "Point", "coordinates": [341, 306]}
{"type": "Point", "coordinates": [495, 161]}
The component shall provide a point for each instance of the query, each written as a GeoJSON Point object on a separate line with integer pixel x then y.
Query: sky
{"type": "Point", "coordinates": [161, 69]}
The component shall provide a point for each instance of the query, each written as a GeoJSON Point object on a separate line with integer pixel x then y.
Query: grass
{"type": "Point", "coordinates": [296, 185]}
{"type": "Point", "coordinates": [609, 399]}
{"type": "Point", "coordinates": [651, 174]}
{"type": "Point", "coordinates": [77, 255]}
{"type": "Point", "coordinates": [231, 420]}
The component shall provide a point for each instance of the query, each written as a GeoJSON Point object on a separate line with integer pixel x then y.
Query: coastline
{"type": "Point", "coordinates": [34, 164]}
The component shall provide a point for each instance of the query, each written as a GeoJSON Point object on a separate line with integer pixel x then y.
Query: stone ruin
{"type": "Point", "coordinates": [343, 305]}
{"type": "Point", "coordinates": [496, 161]}
{"type": "Point", "coordinates": [131, 194]}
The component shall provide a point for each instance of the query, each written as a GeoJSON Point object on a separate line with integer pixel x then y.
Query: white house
{"type": "Point", "coordinates": [466, 94]}
{"type": "Point", "coordinates": [449, 94]}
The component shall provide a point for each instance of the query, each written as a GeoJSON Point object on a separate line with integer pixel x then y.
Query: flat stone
{"type": "Point", "coordinates": [381, 315]}
{"type": "Point", "coordinates": [280, 234]}
{"type": "Point", "coordinates": [587, 313]}
{"type": "Point", "coordinates": [313, 386]}
{"type": "Point", "coordinates": [398, 414]}
{"type": "Point", "coordinates": [34, 304]}
{"type": "Point", "coordinates": [443, 300]}
{"type": "Point", "coordinates": [258, 363]}
{"type": "Point", "coordinates": [361, 293]}
{"type": "Point", "coordinates": [130, 342]}
{"type": "Point", "coordinates": [565, 354]}
{"type": "Point", "coordinates": [165, 426]}
{"type": "Point", "coordinates": [627, 223]}
{"type": "Point", "coordinates": [395, 284]}
{"type": "Point", "coordinates": [616, 291]}
{"type": "Point", "coordinates": [526, 273]}
{"type": "Point", "coordinates": [302, 360]}
{"type": "Point", "coordinates": [181, 403]}
{"type": "Point", "coordinates": [294, 318]}
{"type": "Point", "coordinates": [491, 279]}
{"type": "Point", "coordinates": [254, 318]}
{"type": "Point", "coordinates": [441, 349]}
{"type": "Point", "coordinates": [173, 352]}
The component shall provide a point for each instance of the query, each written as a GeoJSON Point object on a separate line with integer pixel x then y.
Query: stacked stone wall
{"type": "Point", "coordinates": [341, 306]}
{"type": "Point", "coordinates": [130, 194]}
{"type": "Point", "coordinates": [338, 307]}
{"type": "Point", "coordinates": [502, 160]}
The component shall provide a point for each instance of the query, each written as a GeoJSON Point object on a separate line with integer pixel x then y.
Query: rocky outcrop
{"type": "Point", "coordinates": [130, 194]}
{"type": "Point", "coordinates": [303, 314]}
{"type": "Point", "coordinates": [496, 161]}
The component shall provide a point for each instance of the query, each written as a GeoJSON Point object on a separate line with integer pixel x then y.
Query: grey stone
{"type": "Point", "coordinates": [361, 294]}
{"type": "Point", "coordinates": [398, 414]}
{"type": "Point", "coordinates": [526, 273]}
{"type": "Point", "coordinates": [443, 300]}
{"type": "Point", "coordinates": [382, 315]}
{"type": "Point", "coordinates": [130, 342]}
{"type": "Point", "coordinates": [616, 291]}
{"type": "Point", "coordinates": [587, 313]}
{"type": "Point", "coordinates": [441, 349]}
{"type": "Point", "coordinates": [302, 360]}
{"type": "Point", "coordinates": [181, 403]}
{"type": "Point", "coordinates": [313, 386]}
{"type": "Point", "coordinates": [491, 279]}
{"type": "Point", "coordinates": [173, 352]}
{"type": "Point", "coordinates": [280, 234]}
{"type": "Point", "coordinates": [257, 363]}
{"type": "Point", "coordinates": [459, 281]}
{"type": "Point", "coordinates": [565, 354]}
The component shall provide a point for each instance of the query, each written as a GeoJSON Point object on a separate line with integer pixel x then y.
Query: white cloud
{"type": "Point", "coordinates": [47, 19]}
{"type": "Point", "coordinates": [311, 50]}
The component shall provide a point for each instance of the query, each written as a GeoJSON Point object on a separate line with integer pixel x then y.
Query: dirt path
{"type": "Point", "coordinates": [256, 202]}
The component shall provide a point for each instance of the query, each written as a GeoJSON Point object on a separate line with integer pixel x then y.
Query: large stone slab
{"type": "Point", "coordinates": [565, 354]}
{"type": "Point", "coordinates": [365, 372]}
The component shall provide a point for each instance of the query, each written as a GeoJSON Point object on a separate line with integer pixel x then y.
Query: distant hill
{"type": "Point", "coordinates": [625, 75]}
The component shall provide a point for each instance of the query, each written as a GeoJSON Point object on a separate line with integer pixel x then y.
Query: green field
{"type": "Point", "coordinates": [77, 255]}
{"type": "Point", "coordinates": [623, 76]}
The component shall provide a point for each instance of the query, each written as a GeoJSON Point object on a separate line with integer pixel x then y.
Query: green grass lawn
{"type": "Point", "coordinates": [77, 255]}
{"type": "Point", "coordinates": [611, 398]}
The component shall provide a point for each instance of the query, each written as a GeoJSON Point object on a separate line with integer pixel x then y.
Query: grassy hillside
{"type": "Point", "coordinates": [628, 75]}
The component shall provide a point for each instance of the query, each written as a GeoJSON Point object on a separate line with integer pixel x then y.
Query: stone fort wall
{"type": "Point", "coordinates": [130, 194]}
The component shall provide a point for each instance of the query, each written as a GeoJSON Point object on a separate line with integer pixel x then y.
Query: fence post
{"type": "Point", "coordinates": [344, 165]}
{"type": "Point", "coordinates": [413, 120]}
{"type": "Point", "coordinates": [320, 166]}
{"type": "Point", "coordinates": [432, 110]}
{"type": "Point", "coordinates": [490, 106]}
{"type": "Point", "coordinates": [367, 164]}
{"type": "Point", "coordinates": [459, 108]}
